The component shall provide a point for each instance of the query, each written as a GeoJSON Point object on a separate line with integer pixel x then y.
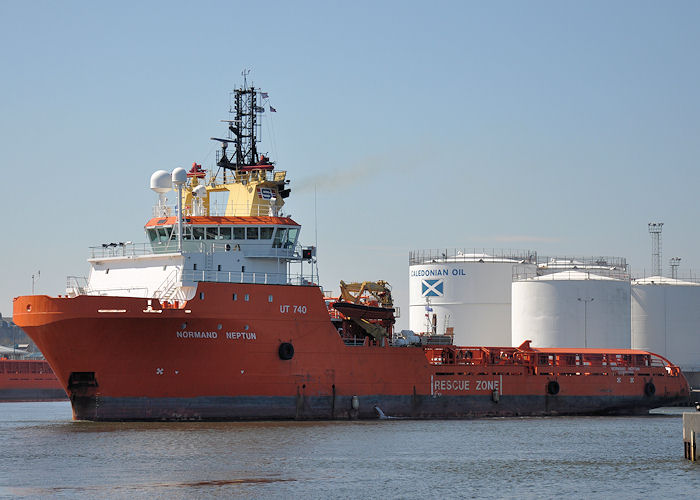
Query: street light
{"type": "Point", "coordinates": [585, 301]}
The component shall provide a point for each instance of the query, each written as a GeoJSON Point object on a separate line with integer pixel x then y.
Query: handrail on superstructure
{"type": "Point", "coordinates": [190, 275]}
{"type": "Point", "coordinates": [196, 246]}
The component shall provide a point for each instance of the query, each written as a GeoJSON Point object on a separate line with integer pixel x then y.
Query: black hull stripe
{"type": "Point", "coordinates": [324, 408]}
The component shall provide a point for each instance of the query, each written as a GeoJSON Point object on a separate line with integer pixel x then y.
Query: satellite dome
{"type": "Point", "coordinates": [160, 181]}
{"type": "Point", "coordinates": [200, 191]}
{"type": "Point", "coordinates": [179, 176]}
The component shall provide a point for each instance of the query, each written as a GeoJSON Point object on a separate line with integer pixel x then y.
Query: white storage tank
{"type": "Point", "coordinates": [666, 319]}
{"type": "Point", "coordinates": [572, 309]}
{"type": "Point", "coordinates": [464, 293]}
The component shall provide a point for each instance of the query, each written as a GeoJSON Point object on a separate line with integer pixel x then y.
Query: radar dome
{"type": "Point", "coordinates": [160, 181]}
{"type": "Point", "coordinates": [200, 191]}
{"type": "Point", "coordinates": [179, 176]}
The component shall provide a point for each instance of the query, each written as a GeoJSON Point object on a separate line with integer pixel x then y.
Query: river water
{"type": "Point", "coordinates": [46, 454]}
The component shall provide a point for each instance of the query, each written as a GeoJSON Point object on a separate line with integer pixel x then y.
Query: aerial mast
{"type": "Point", "coordinates": [242, 128]}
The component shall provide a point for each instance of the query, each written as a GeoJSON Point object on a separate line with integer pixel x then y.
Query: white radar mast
{"type": "Point", "coordinates": [179, 177]}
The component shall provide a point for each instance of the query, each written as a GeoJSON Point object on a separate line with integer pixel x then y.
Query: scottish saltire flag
{"type": "Point", "coordinates": [259, 109]}
{"type": "Point", "coordinates": [432, 288]}
{"type": "Point", "coordinates": [264, 95]}
{"type": "Point", "coordinates": [272, 110]}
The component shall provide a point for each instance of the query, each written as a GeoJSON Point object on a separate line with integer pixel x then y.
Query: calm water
{"type": "Point", "coordinates": [45, 454]}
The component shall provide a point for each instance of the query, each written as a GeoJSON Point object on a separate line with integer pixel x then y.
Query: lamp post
{"type": "Point", "coordinates": [585, 301]}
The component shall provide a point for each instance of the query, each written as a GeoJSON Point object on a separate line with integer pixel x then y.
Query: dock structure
{"type": "Point", "coordinates": [691, 431]}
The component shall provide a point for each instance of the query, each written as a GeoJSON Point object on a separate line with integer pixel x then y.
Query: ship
{"type": "Point", "coordinates": [220, 316]}
{"type": "Point", "coordinates": [29, 380]}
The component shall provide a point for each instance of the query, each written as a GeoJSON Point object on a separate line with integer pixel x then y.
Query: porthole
{"type": "Point", "coordinates": [246, 297]}
{"type": "Point", "coordinates": [269, 298]}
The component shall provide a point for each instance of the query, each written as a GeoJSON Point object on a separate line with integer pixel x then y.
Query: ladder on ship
{"type": "Point", "coordinates": [169, 287]}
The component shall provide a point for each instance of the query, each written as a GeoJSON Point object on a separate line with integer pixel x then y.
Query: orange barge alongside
{"type": "Point", "coordinates": [216, 319]}
{"type": "Point", "coordinates": [29, 380]}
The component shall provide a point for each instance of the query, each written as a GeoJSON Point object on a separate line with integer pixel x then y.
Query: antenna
{"type": "Point", "coordinates": [179, 178]}
{"type": "Point", "coordinates": [655, 231]}
{"type": "Point", "coordinates": [243, 128]}
{"type": "Point", "coordinates": [35, 278]}
{"type": "Point", "coordinates": [675, 262]}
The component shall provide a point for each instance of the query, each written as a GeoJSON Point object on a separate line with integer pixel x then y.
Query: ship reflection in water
{"type": "Point", "coordinates": [47, 454]}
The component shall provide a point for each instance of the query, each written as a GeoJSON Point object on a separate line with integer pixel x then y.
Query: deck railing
{"type": "Point", "coordinates": [246, 277]}
{"type": "Point", "coordinates": [129, 249]}
{"type": "Point", "coordinates": [549, 362]}
{"type": "Point", "coordinates": [447, 255]}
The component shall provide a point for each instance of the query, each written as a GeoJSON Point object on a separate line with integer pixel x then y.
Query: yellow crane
{"type": "Point", "coordinates": [355, 293]}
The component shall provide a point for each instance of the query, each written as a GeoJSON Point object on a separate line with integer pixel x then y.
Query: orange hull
{"type": "Point", "coordinates": [218, 358]}
{"type": "Point", "coordinates": [29, 380]}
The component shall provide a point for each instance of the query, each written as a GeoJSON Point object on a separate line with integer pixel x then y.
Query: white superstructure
{"type": "Point", "coordinates": [464, 293]}
{"type": "Point", "coordinates": [571, 309]}
{"type": "Point", "coordinates": [666, 319]}
{"type": "Point", "coordinates": [230, 248]}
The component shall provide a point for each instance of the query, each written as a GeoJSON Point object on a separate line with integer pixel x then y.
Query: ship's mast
{"type": "Point", "coordinates": [243, 128]}
{"type": "Point", "coordinates": [245, 102]}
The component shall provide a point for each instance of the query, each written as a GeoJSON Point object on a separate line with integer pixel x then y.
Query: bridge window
{"type": "Point", "coordinates": [187, 233]}
{"type": "Point", "coordinates": [285, 237]}
{"type": "Point", "coordinates": [164, 234]}
{"type": "Point", "coordinates": [197, 233]}
{"type": "Point", "coordinates": [225, 233]}
{"type": "Point", "coordinates": [152, 235]}
{"type": "Point", "coordinates": [252, 233]}
{"type": "Point", "coordinates": [212, 233]}
{"type": "Point", "coordinates": [266, 233]}
{"type": "Point", "coordinates": [292, 237]}
{"type": "Point", "coordinates": [238, 233]}
{"type": "Point", "coordinates": [280, 237]}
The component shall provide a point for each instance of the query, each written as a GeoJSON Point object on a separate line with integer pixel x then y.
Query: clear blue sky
{"type": "Point", "coordinates": [563, 127]}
